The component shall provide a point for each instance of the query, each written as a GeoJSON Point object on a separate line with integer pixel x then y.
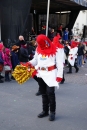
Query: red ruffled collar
{"type": "Point", "coordinates": [47, 52]}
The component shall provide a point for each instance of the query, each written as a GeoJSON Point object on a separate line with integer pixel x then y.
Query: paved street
{"type": "Point", "coordinates": [19, 106]}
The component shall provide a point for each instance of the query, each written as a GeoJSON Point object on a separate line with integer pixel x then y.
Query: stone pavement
{"type": "Point", "coordinates": [19, 106]}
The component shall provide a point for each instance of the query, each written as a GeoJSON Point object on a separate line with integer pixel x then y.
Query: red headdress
{"type": "Point", "coordinates": [45, 46]}
{"type": "Point", "coordinates": [56, 41]}
{"type": "Point", "coordinates": [74, 44]}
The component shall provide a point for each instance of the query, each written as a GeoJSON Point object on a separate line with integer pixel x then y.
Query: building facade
{"type": "Point", "coordinates": [16, 15]}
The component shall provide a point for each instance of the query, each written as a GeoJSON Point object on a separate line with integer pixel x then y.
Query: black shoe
{"type": "Point", "coordinates": [12, 78]}
{"type": "Point", "coordinates": [38, 93]}
{"type": "Point", "coordinates": [7, 80]}
{"type": "Point", "coordinates": [77, 70]}
{"type": "Point", "coordinates": [69, 72]}
{"type": "Point", "coordinates": [1, 81]}
{"type": "Point", "coordinates": [43, 114]}
{"type": "Point", "coordinates": [62, 81]}
{"type": "Point", "coordinates": [1, 77]}
{"type": "Point", "coordinates": [52, 116]}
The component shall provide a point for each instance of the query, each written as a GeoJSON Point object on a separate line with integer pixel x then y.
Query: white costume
{"type": "Point", "coordinates": [72, 55]}
{"type": "Point", "coordinates": [42, 61]}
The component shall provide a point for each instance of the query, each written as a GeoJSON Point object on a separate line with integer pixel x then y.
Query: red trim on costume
{"type": "Point", "coordinates": [34, 73]}
{"type": "Point", "coordinates": [58, 79]}
{"type": "Point", "coordinates": [74, 44]}
{"type": "Point", "coordinates": [56, 41]}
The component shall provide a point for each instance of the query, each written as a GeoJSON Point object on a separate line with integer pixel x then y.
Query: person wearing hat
{"type": "Point", "coordinates": [49, 65]}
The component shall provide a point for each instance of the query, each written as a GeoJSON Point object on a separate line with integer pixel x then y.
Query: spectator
{"type": "Point", "coordinates": [23, 54]}
{"type": "Point", "coordinates": [7, 64]}
{"type": "Point", "coordinates": [65, 35]}
{"type": "Point", "coordinates": [1, 62]}
{"type": "Point", "coordinates": [80, 54]}
{"type": "Point", "coordinates": [43, 30]}
{"type": "Point", "coordinates": [60, 29]}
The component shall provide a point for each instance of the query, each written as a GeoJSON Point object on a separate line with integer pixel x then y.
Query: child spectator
{"type": "Point", "coordinates": [1, 61]}
{"type": "Point", "coordinates": [7, 64]}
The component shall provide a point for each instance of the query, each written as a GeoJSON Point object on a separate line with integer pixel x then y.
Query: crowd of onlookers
{"type": "Point", "coordinates": [11, 57]}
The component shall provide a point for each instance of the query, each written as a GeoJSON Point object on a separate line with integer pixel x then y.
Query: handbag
{"type": "Point", "coordinates": [7, 68]}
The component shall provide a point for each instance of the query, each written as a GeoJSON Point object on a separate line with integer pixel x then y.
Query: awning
{"type": "Point", "coordinates": [58, 5]}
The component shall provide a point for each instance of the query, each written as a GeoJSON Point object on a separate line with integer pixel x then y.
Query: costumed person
{"type": "Point", "coordinates": [49, 65]}
{"type": "Point", "coordinates": [72, 57]}
{"type": "Point", "coordinates": [57, 41]}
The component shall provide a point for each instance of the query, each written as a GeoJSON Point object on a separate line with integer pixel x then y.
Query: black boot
{"type": "Point", "coordinates": [45, 105]}
{"type": "Point", "coordinates": [69, 72]}
{"type": "Point", "coordinates": [70, 69]}
{"type": "Point", "coordinates": [52, 116]}
{"type": "Point", "coordinates": [38, 93]}
{"type": "Point", "coordinates": [52, 103]}
{"type": "Point", "coordinates": [43, 114]}
{"type": "Point", "coordinates": [1, 77]}
{"type": "Point", "coordinates": [77, 69]}
{"type": "Point", "coordinates": [1, 81]}
{"type": "Point", "coordinates": [7, 79]}
{"type": "Point", "coordinates": [12, 78]}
